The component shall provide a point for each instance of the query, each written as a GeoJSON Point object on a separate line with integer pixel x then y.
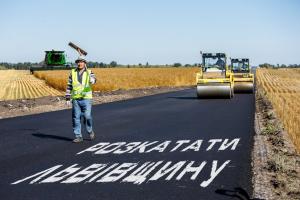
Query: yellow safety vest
{"type": "Point", "coordinates": [84, 89]}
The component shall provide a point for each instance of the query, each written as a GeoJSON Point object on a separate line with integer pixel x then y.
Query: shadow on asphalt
{"type": "Point", "coordinates": [184, 98]}
{"type": "Point", "coordinates": [238, 192]}
{"type": "Point", "coordinates": [47, 136]}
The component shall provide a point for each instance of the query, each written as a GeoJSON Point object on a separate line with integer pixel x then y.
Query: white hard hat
{"type": "Point", "coordinates": [80, 58]}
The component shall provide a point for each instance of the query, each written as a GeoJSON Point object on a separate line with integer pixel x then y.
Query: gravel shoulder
{"type": "Point", "coordinates": [275, 162]}
{"type": "Point", "coordinates": [21, 107]}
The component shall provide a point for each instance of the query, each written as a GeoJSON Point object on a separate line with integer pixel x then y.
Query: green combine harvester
{"type": "Point", "coordinates": [54, 60]}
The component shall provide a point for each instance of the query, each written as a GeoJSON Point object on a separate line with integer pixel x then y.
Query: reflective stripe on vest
{"type": "Point", "coordinates": [84, 89]}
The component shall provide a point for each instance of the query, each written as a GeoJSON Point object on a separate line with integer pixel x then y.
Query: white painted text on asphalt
{"type": "Point", "coordinates": [140, 172]}
{"type": "Point", "coordinates": [165, 146]}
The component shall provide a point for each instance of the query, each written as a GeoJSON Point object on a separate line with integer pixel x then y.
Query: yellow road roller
{"type": "Point", "coordinates": [243, 78]}
{"type": "Point", "coordinates": [215, 79]}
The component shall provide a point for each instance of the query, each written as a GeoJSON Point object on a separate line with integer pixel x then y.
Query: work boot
{"type": "Point", "coordinates": [92, 135]}
{"type": "Point", "coordinates": [78, 140]}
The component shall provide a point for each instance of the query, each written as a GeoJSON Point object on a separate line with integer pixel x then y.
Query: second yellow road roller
{"type": "Point", "coordinates": [243, 78]}
{"type": "Point", "coordinates": [215, 79]}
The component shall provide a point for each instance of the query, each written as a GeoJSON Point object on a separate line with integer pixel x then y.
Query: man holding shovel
{"type": "Point", "coordinates": [79, 90]}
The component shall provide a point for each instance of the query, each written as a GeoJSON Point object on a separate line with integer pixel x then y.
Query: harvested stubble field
{"type": "Point", "coordinates": [282, 87]}
{"type": "Point", "coordinates": [19, 84]}
{"type": "Point", "coordinates": [110, 79]}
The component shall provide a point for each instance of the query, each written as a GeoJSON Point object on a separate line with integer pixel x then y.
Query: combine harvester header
{"type": "Point", "coordinates": [56, 60]}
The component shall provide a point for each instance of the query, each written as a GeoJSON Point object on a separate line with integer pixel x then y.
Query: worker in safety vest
{"type": "Point", "coordinates": [79, 90]}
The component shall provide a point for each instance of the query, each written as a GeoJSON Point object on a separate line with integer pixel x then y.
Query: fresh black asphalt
{"type": "Point", "coordinates": [31, 144]}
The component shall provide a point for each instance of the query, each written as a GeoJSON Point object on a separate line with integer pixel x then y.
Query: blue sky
{"type": "Point", "coordinates": [154, 31]}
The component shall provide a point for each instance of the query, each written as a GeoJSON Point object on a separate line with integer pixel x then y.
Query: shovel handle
{"type": "Point", "coordinates": [77, 48]}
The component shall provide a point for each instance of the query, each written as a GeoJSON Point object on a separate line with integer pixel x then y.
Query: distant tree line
{"type": "Point", "coordinates": [267, 65]}
{"type": "Point", "coordinates": [23, 66]}
{"type": "Point", "coordinates": [115, 64]}
{"type": "Point", "coordinates": [28, 65]}
{"type": "Point", "coordinates": [2, 67]}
